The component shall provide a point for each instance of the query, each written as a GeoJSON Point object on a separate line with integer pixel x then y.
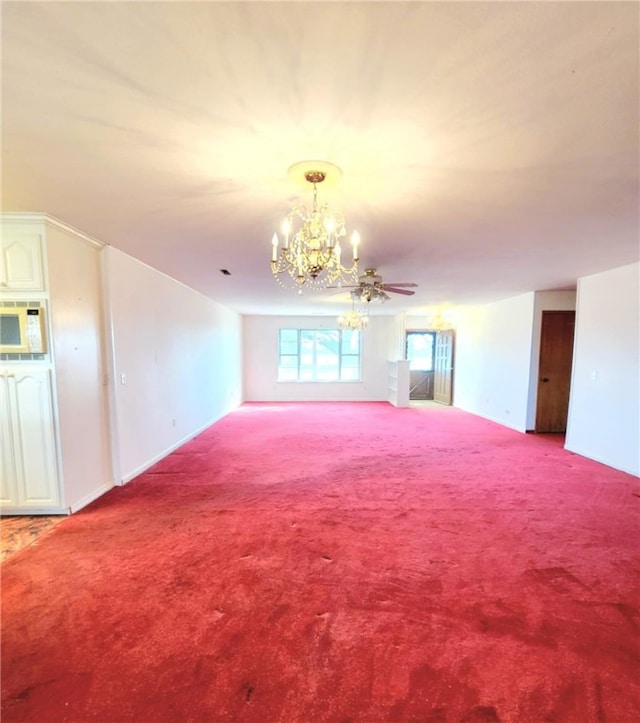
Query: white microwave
{"type": "Point", "coordinates": [22, 330]}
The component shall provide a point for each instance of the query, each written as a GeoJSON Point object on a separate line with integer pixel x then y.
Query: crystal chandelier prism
{"type": "Point", "coordinates": [309, 255]}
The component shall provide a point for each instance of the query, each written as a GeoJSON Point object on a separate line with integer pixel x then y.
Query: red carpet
{"type": "Point", "coordinates": [336, 562]}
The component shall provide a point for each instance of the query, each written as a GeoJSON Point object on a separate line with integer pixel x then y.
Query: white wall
{"type": "Point", "coordinates": [179, 355]}
{"type": "Point", "coordinates": [492, 360]}
{"type": "Point", "coordinates": [379, 344]}
{"type": "Point", "coordinates": [544, 301]}
{"type": "Point", "coordinates": [604, 407]}
{"type": "Point", "coordinates": [75, 282]}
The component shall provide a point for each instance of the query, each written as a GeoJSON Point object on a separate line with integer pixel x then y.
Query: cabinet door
{"type": "Point", "coordinates": [31, 411]}
{"type": "Point", "coordinates": [21, 262]}
{"type": "Point", "coordinates": [8, 480]}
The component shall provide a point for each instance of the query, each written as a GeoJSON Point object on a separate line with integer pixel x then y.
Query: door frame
{"type": "Point", "coordinates": [562, 372]}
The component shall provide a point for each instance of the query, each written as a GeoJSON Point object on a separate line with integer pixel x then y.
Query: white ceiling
{"type": "Point", "coordinates": [487, 149]}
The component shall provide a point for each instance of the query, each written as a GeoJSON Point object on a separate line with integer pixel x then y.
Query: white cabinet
{"type": "Point", "coordinates": [54, 418]}
{"type": "Point", "coordinates": [29, 479]}
{"type": "Point", "coordinates": [21, 261]}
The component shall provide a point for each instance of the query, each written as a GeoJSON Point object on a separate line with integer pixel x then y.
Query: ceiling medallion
{"type": "Point", "coordinates": [309, 254]}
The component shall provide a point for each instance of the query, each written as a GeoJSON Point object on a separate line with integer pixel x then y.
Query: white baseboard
{"type": "Point", "coordinates": [149, 463]}
{"type": "Point", "coordinates": [25, 511]}
{"type": "Point", "coordinates": [88, 499]}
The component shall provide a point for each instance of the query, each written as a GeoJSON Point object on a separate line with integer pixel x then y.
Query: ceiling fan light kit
{"type": "Point", "coordinates": [369, 295]}
{"type": "Point", "coordinates": [372, 290]}
{"type": "Point", "coordinates": [309, 255]}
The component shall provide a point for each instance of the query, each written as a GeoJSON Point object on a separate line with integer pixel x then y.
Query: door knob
{"type": "Point", "coordinates": [544, 379]}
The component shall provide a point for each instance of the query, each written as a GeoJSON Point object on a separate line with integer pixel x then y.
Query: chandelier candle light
{"type": "Point", "coordinates": [310, 255]}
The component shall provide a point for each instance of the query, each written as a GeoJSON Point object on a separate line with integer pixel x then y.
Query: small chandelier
{"type": "Point", "coordinates": [353, 319]}
{"type": "Point", "coordinates": [439, 322]}
{"type": "Point", "coordinates": [310, 255]}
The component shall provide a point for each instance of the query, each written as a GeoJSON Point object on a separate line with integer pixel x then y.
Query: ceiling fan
{"type": "Point", "coordinates": [371, 288]}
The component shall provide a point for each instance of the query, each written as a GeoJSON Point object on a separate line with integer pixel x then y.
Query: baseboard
{"type": "Point", "coordinates": [88, 499]}
{"type": "Point", "coordinates": [149, 463]}
{"type": "Point", "coordinates": [26, 511]}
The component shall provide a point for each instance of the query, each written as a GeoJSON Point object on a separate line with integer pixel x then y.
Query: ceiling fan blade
{"type": "Point", "coordinates": [398, 291]}
{"type": "Point", "coordinates": [406, 285]}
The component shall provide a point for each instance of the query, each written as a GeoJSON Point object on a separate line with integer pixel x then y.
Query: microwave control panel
{"type": "Point", "coordinates": [35, 331]}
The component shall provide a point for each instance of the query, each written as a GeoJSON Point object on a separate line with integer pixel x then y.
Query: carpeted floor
{"type": "Point", "coordinates": [336, 562]}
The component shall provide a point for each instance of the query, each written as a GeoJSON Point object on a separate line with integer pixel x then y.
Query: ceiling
{"type": "Point", "coordinates": [487, 149]}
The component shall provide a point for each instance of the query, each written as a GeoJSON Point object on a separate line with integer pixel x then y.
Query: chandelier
{"type": "Point", "coordinates": [353, 319]}
{"type": "Point", "coordinates": [310, 254]}
{"type": "Point", "coordinates": [439, 322]}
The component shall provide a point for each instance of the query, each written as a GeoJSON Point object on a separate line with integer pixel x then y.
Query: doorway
{"type": "Point", "coordinates": [554, 372]}
{"type": "Point", "coordinates": [420, 352]}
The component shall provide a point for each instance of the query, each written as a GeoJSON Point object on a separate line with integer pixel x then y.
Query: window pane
{"type": "Point", "coordinates": [327, 365]}
{"type": "Point", "coordinates": [306, 360]}
{"type": "Point", "coordinates": [288, 347]}
{"type": "Point", "coordinates": [327, 357]}
{"type": "Point", "coordinates": [420, 351]}
{"type": "Point", "coordinates": [289, 362]}
{"type": "Point", "coordinates": [350, 362]}
{"type": "Point", "coordinates": [327, 347]}
{"type": "Point", "coordinates": [288, 355]}
{"type": "Point", "coordinates": [350, 341]}
{"type": "Point", "coordinates": [327, 375]}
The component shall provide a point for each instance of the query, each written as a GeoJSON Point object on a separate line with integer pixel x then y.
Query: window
{"type": "Point", "coordinates": [420, 349]}
{"type": "Point", "coordinates": [319, 355]}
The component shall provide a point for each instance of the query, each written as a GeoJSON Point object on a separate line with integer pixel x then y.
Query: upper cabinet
{"type": "Point", "coordinates": [21, 261]}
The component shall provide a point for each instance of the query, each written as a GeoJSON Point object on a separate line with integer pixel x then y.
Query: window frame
{"type": "Point", "coordinates": [343, 353]}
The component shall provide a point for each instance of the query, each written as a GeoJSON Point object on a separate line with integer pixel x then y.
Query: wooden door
{"type": "Point", "coordinates": [443, 367]}
{"type": "Point", "coordinates": [554, 373]}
